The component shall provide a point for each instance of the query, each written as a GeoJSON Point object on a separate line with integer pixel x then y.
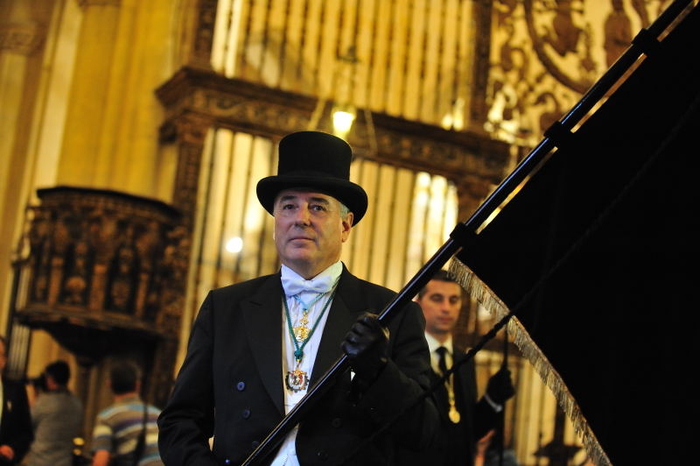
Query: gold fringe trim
{"type": "Point", "coordinates": [551, 378]}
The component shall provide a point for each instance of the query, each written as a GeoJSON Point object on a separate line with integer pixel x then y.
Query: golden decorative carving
{"type": "Point", "coordinates": [204, 33]}
{"type": "Point", "coordinates": [256, 109]}
{"type": "Point", "coordinates": [478, 110]}
{"type": "Point", "coordinates": [185, 195]}
{"type": "Point", "coordinates": [549, 53]}
{"type": "Point", "coordinates": [88, 3]}
{"type": "Point", "coordinates": [618, 31]}
{"type": "Point", "coordinates": [562, 30]}
{"type": "Point", "coordinates": [23, 38]}
{"type": "Point", "coordinates": [99, 261]}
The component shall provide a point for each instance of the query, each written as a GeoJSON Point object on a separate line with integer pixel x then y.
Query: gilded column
{"type": "Point", "coordinates": [95, 64]}
{"type": "Point", "coordinates": [189, 132]}
{"type": "Point", "coordinates": [22, 35]}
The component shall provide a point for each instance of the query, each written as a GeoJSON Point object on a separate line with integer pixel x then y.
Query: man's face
{"type": "Point", "coordinates": [441, 305]}
{"type": "Point", "coordinates": [309, 230]}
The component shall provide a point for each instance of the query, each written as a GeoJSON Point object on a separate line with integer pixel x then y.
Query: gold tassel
{"type": "Point", "coordinates": [551, 378]}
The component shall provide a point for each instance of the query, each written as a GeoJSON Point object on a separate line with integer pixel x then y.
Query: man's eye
{"type": "Point", "coordinates": [287, 206]}
{"type": "Point", "coordinates": [318, 208]}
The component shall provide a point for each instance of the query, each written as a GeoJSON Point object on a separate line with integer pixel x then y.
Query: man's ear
{"type": "Point", "coordinates": [347, 225]}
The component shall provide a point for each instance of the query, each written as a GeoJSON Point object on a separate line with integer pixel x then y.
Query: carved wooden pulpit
{"type": "Point", "coordinates": [104, 275]}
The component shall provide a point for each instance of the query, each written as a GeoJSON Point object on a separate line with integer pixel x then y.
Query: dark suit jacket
{"type": "Point", "coordinates": [457, 443]}
{"type": "Point", "coordinates": [16, 423]}
{"type": "Point", "coordinates": [231, 386]}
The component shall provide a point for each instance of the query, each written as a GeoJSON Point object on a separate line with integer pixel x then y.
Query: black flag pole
{"type": "Point", "coordinates": [464, 233]}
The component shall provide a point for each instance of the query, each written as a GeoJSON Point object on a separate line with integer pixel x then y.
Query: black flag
{"type": "Point", "coordinates": [598, 256]}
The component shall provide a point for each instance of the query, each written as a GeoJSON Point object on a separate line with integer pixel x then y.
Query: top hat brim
{"type": "Point", "coordinates": [350, 194]}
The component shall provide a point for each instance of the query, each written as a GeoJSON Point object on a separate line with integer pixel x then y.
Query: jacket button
{"type": "Point", "coordinates": [227, 461]}
{"type": "Point", "coordinates": [254, 444]}
{"type": "Point", "coordinates": [240, 386]}
{"type": "Point", "coordinates": [336, 422]}
{"type": "Point", "coordinates": [322, 455]}
{"type": "Point", "coordinates": [246, 413]}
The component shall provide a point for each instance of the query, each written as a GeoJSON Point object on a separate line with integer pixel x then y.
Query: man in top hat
{"type": "Point", "coordinates": [257, 347]}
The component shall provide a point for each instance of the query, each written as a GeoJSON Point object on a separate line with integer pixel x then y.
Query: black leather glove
{"type": "Point", "coordinates": [500, 386]}
{"type": "Point", "coordinates": [366, 346]}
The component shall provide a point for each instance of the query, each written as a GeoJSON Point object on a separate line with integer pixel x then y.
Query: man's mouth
{"type": "Point", "coordinates": [301, 238]}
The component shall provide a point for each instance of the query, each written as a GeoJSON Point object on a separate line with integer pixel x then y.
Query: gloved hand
{"type": "Point", "coordinates": [500, 386]}
{"type": "Point", "coordinates": [366, 346]}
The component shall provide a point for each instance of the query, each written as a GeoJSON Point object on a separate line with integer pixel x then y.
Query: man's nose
{"type": "Point", "coordinates": [303, 215]}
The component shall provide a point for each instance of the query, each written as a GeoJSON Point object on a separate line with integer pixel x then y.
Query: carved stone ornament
{"type": "Point", "coordinates": [24, 38]}
{"type": "Point", "coordinates": [88, 3]}
{"type": "Point", "coordinates": [102, 266]}
{"type": "Point", "coordinates": [194, 95]}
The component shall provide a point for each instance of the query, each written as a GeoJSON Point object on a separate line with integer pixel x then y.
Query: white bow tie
{"type": "Point", "coordinates": [293, 285]}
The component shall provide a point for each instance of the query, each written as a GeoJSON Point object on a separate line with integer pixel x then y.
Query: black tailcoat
{"type": "Point", "coordinates": [231, 383]}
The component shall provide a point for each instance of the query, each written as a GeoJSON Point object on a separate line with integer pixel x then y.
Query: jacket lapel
{"type": "Point", "coordinates": [263, 318]}
{"type": "Point", "coordinates": [343, 313]}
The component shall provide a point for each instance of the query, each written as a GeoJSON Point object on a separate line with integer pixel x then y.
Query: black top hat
{"type": "Point", "coordinates": [313, 159]}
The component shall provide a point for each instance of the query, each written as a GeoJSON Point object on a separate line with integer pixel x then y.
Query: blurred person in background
{"type": "Point", "coordinates": [57, 417]}
{"type": "Point", "coordinates": [466, 417]}
{"type": "Point", "coordinates": [126, 433]}
{"type": "Point", "coordinates": [15, 421]}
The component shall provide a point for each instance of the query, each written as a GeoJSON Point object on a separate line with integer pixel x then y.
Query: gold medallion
{"type": "Point", "coordinates": [301, 333]}
{"type": "Point", "coordinates": [454, 415]}
{"type": "Point", "coordinates": [297, 380]}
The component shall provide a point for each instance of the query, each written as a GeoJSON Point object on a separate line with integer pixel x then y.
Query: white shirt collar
{"type": "Point", "coordinates": [433, 344]}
